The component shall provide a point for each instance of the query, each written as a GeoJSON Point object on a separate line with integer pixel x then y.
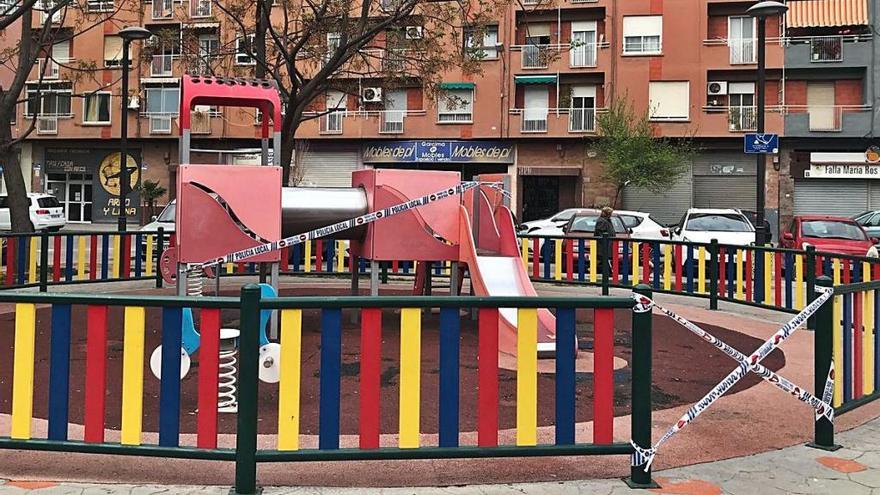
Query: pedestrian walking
{"type": "Point", "coordinates": [604, 228]}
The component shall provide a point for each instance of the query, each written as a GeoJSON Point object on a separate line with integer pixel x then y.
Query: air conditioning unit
{"type": "Point", "coordinates": [371, 95]}
{"type": "Point", "coordinates": [716, 88]}
{"type": "Point", "coordinates": [414, 32]}
{"type": "Point", "coordinates": [134, 103]}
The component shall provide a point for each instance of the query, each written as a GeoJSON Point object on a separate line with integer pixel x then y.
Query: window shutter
{"type": "Point", "coordinates": [643, 25]}
{"type": "Point", "coordinates": [669, 100]}
{"type": "Point", "coordinates": [112, 48]}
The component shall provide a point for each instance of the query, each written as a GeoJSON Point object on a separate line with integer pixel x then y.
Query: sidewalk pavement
{"type": "Point", "coordinates": [853, 470]}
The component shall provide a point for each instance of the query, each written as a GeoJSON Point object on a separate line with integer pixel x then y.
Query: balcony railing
{"type": "Point", "coordinates": [391, 121]}
{"type": "Point", "coordinates": [162, 65]}
{"type": "Point", "coordinates": [534, 119]}
{"type": "Point", "coordinates": [100, 5]}
{"type": "Point", "coordinates": [163, 9]}
{"type": "Point", "coordinates": [331, 123]}
{"type": "Point", "coordinates": [826, 49]}
{"type": "Point", "coordinates": [52, 69]}
{"type": "Point", "coordinates": [47, 125]}
{"type": "Point", "coordinates": [200, 8]}
{"type": "Point", "coordinates": [582, 120]}
{"type": "Point", "coordinates": [583, 55]}
{"type": "Point", "coordinates": [742, 50]}
{"type": "Point", "coordinates": [535, 56]}
{"type": "Point", "coordinates": [160, 123]}
{"type": "Point", "coordinates": [394, 60]}
{"type": "Point", "coordinates": [742, 118]}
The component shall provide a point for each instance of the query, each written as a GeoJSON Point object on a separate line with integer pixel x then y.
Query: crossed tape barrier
{"type": "Point", "coordinates": [340, 226]}
{"type": "Point", "coordinates": [750, 363]}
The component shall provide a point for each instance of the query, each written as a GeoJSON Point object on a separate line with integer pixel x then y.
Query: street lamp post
{"type": "Point", "coordinates": [761, 11]}
{"type": "Point", "coordinates": [128, 35]}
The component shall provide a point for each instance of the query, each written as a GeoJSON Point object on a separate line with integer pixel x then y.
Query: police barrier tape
{"type": "Point", "coordinates": [822, 408]}
{"type": "Point", "coordinates": [646, 455]}
{"type": "Point", "coordinates": [340, 226]}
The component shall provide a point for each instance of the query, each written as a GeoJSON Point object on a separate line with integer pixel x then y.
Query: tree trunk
{"type": "Point", "coordinates": [19, 204]}
{"type": "Point", "coordinates": [288, 142]}
{"type": "Point", "coordinates": [617, 192]}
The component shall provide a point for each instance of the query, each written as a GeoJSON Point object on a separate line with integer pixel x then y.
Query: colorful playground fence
{"type": "Point", "coordinates": [529, 439]}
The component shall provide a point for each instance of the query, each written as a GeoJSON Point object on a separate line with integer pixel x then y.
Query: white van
{"type": "Point", "coordinates": [46, 213]}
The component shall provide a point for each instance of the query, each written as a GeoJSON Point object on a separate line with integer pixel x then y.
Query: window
{"type": "Point", "coordinates": [583, 44]}
{"type": "Point", "coordinates": [163, 9]}
{"type": "Point", "coordinates": [200, 8]}
{"type": "Point", "coordinates": [334, 41]}
{"type": "Point", "coordinates": [456, 105]}
{"type": "Point", "coordinates": [742, 112]}
{"type": "Point", "coordinates": [536, 99]}
{"type": "Point", "coordinates": [718, 222]}
{"type": "Point", "coordinates": [162, 106]}
{"type": "Point", "coordinates": [96, 108]}
{"type": "Point", "coordinates": [113, 51]}
{"type": "Point", "coordinates": [741, 40]}
{"type": "Point", "coordinates": [669, 100]}
{"type": "Point", "coordinates": [642, 34]}
{"type": "Point", "coordinates": [7, 5]}
{"type": "Point", "coordinates": [832, 229]}
{"type": "Point", "coordinates": [243, 50]}
{"type": "Point", "coordinates": [535, 51]}
{"type": "Point", "coordinates": [582, 113]}
{"type": "Point", "coordinates": [481, 44]}
{"type": "Point", "coordinates": [395, 111]}
{"type": "Point", "coordinates": [50, 101]}
{"type": "Point", "coordinates": [209, 47]}
{"type": "Point", "coordinates": [100, 5]}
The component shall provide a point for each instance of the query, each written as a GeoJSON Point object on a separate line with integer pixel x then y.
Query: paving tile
{"type": "Point", "coordinates": [841, 465]}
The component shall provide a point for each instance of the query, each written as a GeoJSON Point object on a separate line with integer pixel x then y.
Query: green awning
{"type": "Point", "coordinates": [534, 79]}
{"type": "Point", "coordinates": [457, 85]}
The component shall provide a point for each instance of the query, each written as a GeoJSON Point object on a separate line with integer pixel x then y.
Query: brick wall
{"type": "Point", "coordinates": [848, 92]}
{"type": "Point", "coordinates": [717, 28]}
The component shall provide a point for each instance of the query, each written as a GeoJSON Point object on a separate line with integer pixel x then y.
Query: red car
{"type": "Point", "coordinates": [828, 234]}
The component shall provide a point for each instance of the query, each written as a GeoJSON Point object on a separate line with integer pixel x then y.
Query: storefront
{"type": "Point", "coordinates": [842, 184]}
{"type": "Point", "coordinates": [86, 182]}
{"type": "Point", "coordinates": [470, 158]}
{"type": "Point", "coordinates": [326, 164]}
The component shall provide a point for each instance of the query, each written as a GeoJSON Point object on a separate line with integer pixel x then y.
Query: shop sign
{"type": "Point", "coordinates": [842, 166]}
{"type": "Point", "coordinates": [438, 152]}
{"type": "Point", "coordinates": [103, 165]}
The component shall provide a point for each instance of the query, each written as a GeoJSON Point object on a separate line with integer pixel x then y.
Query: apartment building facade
{"type": "Point", "coordinates": [547, 70]}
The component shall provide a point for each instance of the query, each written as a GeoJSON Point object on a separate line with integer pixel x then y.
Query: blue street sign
{"type": "Point", "coordinates": [761, 143]}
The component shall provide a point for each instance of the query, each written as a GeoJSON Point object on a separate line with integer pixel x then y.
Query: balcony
{"type": "Point", "coordinates": [48, 69]}
{"type": "Point", "coordinates": [743, 51]}
{"type": "Point", "coordinates": [742, 119]}
{"type": "Point", "coordinates": [394, 60]}
{"type": "Point", "coordinates": [809, 52]}
{"type": "Point", "coordinates": [583, 55]}
{"type": "Point", "coordinates": [162, 65]}
{"type": "Point", "coordinates": [100, 5]}
{"type": "Point", "coordinates": [47, 125]}
{"type": "Point", "coordinates": [553, 121]}
{"type": "Point", "coordinates": [331, 123]}
{"type": "Point", "coordinates": [535, 56]}
{"type": "Point", "coordinates": [814, 121]}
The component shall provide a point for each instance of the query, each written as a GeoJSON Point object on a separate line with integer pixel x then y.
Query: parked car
{"type": "Point", "coordinates": [870, 221]}
{"type": "Point", "coordinates": [828, 234]}
{"type": "Point", "coordinates": [728, 226]}
{"type": "Point", "coordinates": [548, 226]}
{"type": "Point", "coordinates": [583, 225]}
{"type": "Point", "coordinates": [753, 217]}
{"type": "Point", "coordinates": [164, 219]}
{"type": "Point", "coordinates": [642, 225]}
{"type": "Point", "coordinates": [45, 211]}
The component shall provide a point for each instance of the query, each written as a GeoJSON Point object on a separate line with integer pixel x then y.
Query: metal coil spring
{"type": "Point", "coordinates": [226, 385]}
{"type": "Point", "coordinates": [195, 283]}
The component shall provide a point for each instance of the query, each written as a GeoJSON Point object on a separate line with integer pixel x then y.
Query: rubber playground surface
{"type": "Point", "coordinates": [756, 417]}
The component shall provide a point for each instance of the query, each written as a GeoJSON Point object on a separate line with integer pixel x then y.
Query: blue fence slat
{"type": "Point", "coordinates": [689, 272]}
{"type": "Point", "coordinates": [362, 265]}
{"type": "Point", "coordinates": [59, 372]}
{"type": "Point", "coordinates": [581, 259]}
{"type": "Point", "coordinates": [22, 258]}
{"type": "Point", "coordinates": [169, 388]}
{"type": "Point", "coordinates": [625, 263]}
{"type": "Point", "coordinates": [758, 284]}
{"type": "Point", "coordinates": [856, 273]}
{"type": "Point", "coordinates": [329, 254]}
{"type": "Point", "coordinates": [294, 257]}
{"type": "Point", "coordinates": [450, 342]}
{"type": "Point", "coordinates": [655, 250]}
{"type": "Point", "coordinates": [546, 256]}
{"type": "Point", "coordinates": [68, 259]}
{"type": "Point", "coordinates": [847, 346]}
{"type": "Point", "coordinates": [138, 251]}
{"type": "Point", "coordinates": [732, 282]}
{"type": "Point", "coordinates": [566, 342]}
{"type": "Point", "coordinates": [105, 255]}
{"type": "Point", "coordinates": [331, 357]}
{"type": "Point", "coordinates": [826, 267]}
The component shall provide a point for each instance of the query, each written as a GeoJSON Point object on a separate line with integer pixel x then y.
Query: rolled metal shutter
{"type": "Point", "coordinates": [328, 169]}
{"type": "Point", "coordinates": [830, 197]}
{"type": "Point", "coordinates": [667, 207]}
{"type": "Point", "coordinates": [720, 191]}
{"type": "Point", "coordinates": [873, 195]}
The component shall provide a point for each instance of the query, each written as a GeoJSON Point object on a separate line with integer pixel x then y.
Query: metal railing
{"type": "Point", "coordinates": [742, 118]}
{"type": "Point", "coordinates": [742, 50]}
{"type": "Point", "coordinates": [826, 49]}
{"type": "Point", "coordinates": [47, 125]}
{"type": "Point", "coordinates": [391, 121]}
{"type": "Point", "coordinates": [331, 123]}
{"type": "Point", "coordinates": [162, 9]}
{"type": "Point", "coordinates": [100, 5]}
{"type": "Point", "coordinates": [582, 120]}
{"type": "Point", "coordinates": [200, 8]}
{"type": "Point", "coordinates": [160, 123]}
{"type": "Point", "coordinates": [394, 60]}
{"type": "Point", "coordinates": [534, 119]}
{"type": "Point", "coordinates": [583, 55]}
{"type": "Point", "coordinates": [535, 56]}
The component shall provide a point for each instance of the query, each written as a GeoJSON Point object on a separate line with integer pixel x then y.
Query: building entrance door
{"type": "Point", "coordinates": [74, 191]}
{"type": "Point", "coordinates": [540, 197]}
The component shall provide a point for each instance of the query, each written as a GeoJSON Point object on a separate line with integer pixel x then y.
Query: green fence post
{"type": "Point", "coordinates": [810, 277]}
{"type": "Point", "coordinates": [44, 260]}
{"type": "Point", "coordinates": [384, 272]}
{"type": "Point", "coordinates": [641, 391]}
{"type": "Point", "coordinates": [823, 342]}
{"type": "Point", "coordinates": [246, 428]}
{"type": "Point", "coordinates": [713, 274]}
{"type": "Point", "coordinates": [606, 260]}
{"type": "Point", "coordinates": [160, 246]}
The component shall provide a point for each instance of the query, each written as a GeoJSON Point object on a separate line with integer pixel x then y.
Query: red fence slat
{"type": "Point", "coordinates": [603, 376]}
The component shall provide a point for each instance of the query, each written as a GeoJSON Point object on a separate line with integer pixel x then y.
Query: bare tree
{"type": "Point", "coordinates": [25, 41]}
{"type": "Point", "coordinates": [310, 47]}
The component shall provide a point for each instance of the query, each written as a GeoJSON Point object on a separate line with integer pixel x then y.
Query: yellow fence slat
{"type": "Point", "coordinates": [133, 376]}
{"type": "Point", "coordinates": [23, 371]}
{"type": "Point", "coordinates": [289, 385]}
{"type": "Point", "coordinates": [799, 282]}
{"type": "Point", "coordinates": [701, 269]}
{"type": "Point", "coordinates": [667, 266]}
{"type": "Point", "coordinates": [410, 368]}
{"type": "Point", "coordinates": [527, 377]}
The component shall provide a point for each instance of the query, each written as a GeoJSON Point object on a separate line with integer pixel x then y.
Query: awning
{"type": "Point", "coordinates": [457, 85]}
{"type": "Point", "coordinates": [534, 79]}
{"type": "Point", "coordinates": [827, 13]}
